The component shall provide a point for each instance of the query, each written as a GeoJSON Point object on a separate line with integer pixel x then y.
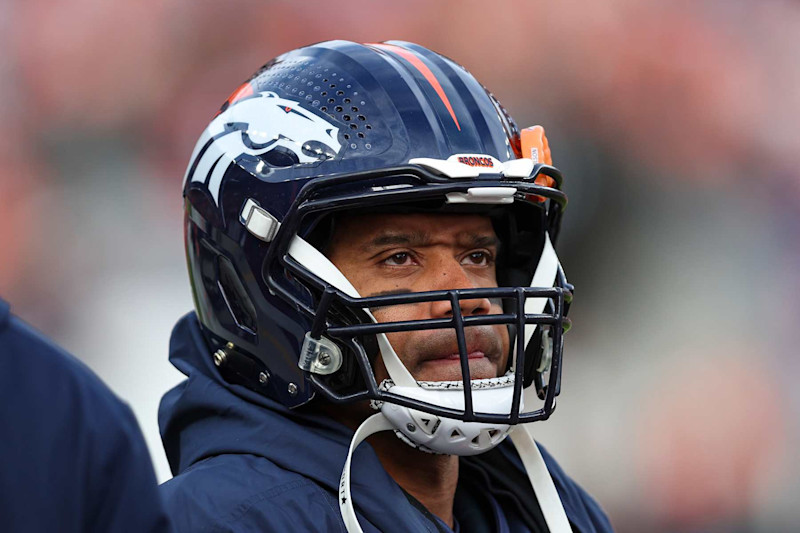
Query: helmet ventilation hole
{"type": "Point", "coordinates": [332, 93]}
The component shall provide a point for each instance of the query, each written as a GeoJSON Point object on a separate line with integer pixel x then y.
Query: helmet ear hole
{"type": "Point", "coordinates": [233, 292]}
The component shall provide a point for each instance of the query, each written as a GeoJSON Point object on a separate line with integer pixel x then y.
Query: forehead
{"type": "Point", "coordinates": [363, 229]}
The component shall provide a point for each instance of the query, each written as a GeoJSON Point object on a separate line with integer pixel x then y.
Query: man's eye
{"type": "Point", "coordinates": [398, 259]}
{"type": "Point", "coordinates": [477, 259]}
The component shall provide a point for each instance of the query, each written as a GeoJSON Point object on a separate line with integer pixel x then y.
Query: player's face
{"type": "Point", "coordinates": [400, 253]}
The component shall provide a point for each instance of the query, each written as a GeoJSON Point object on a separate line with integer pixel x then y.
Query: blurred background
{"type": "Point", "coordinates": [676, 124]}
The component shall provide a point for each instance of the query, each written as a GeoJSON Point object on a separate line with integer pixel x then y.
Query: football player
{"type": "Point", "coordinates": [370, 241]}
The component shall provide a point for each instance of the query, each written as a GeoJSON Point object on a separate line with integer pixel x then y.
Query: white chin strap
{"type": "Point", "coordinates": [535, 467]}
{"type": "Point", "coordinates": [371, 425]}
{"type": "Point", "coordinates": [541, 481]}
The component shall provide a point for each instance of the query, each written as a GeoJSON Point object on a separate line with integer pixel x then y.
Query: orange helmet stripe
{"type": "Point", "coordinates": [417, 63]}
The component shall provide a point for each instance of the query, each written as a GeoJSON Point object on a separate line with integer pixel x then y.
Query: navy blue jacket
{"type": "Point", "coordinates": [72, 457]}
{"type": "Point", "coordinates": [245, 463]}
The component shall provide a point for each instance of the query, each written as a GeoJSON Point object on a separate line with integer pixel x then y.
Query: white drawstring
{"type": "Point", "coordinates": [535, 467]}
{"type": "Point", "coordinates": [373, 424]}
{"type": "Point", "coordinates": [541, 480]}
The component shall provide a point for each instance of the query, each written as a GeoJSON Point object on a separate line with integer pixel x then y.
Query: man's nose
{"type": "Point", "coordinates": [449, 275]}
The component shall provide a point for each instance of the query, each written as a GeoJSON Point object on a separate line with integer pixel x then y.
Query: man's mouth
{"type": "Point", "coordinates": [475, 354]}
{"type": "Point", "coordinates": [436, 355]}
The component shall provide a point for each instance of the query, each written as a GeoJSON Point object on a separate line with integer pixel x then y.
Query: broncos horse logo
{"type": "Point", "coordinates": [276, 130]}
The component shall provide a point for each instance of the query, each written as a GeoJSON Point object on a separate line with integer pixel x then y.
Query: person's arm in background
{"type": "Point", "coordinates": [72, 456]}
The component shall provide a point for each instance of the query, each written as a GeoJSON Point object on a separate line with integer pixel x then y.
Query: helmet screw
{"type": "Point", "coordinates": [292, 389]}
{"type": "Point", "coordinates": [411, 428]}
{"type": "Point", "coordinates": [324, 359]}
{"type": "Point", "coordinates": [219, 357]}
{"type": "Point", "coordinates": [263, 378]}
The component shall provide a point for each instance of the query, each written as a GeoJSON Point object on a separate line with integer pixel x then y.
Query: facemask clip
{"type": "Point", "coordinates": [319, 356]}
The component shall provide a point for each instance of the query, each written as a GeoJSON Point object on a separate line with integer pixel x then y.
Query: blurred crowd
{"type": "Point", "coordinates": [675, 124]}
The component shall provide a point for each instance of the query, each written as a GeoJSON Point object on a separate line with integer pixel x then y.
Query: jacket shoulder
{"type": "Point", "coordinates": [247, 493]}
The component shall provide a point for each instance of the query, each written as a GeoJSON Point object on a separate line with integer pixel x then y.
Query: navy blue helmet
{"type": "Point", "coordinates": [339, 126]}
